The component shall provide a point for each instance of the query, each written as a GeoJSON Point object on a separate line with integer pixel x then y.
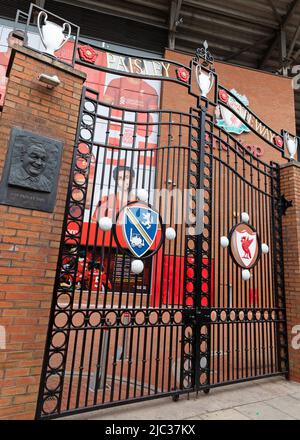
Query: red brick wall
{"type": "Point", "coordinates": [290, 187]}
{"type": "Point", "coordinates": [29, 240]}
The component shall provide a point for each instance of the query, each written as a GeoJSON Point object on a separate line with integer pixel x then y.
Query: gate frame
{"type": "Point", "coordinates": [193, 317]}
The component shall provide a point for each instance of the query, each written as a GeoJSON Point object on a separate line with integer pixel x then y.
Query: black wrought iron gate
{"type": "Point", "coordinates": [187, 321]}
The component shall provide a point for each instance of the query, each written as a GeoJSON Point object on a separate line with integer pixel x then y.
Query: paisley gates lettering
{"type": "Point", "coordinates": [255, 150]}
{"type": "Point", "coordinates": [138, 66]}
{"type": "Point", "coordinates": [259, 127]}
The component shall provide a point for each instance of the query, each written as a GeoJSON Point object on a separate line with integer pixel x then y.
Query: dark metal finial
{"type": "Point", "coordinates": [204, 54]}
{"type": "Point", "coordinates": [285, 204]}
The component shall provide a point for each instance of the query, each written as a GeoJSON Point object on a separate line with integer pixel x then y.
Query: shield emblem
{"type": "Point", "coordinates": [231, 122]}
{"type": "Point", "coordinates": [246, 245]}
{"type": "Point", "coordinates": [140, 226]}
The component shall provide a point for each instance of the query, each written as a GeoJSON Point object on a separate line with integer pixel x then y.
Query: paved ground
{"type": "Point", "coordinates": [267, 399]}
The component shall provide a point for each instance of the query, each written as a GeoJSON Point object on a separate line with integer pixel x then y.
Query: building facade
{"type": "Point", "coordinates": [149, 246]}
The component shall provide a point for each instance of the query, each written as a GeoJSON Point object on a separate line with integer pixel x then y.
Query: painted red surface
{"type": "Point", "coordinates": [168, 281]}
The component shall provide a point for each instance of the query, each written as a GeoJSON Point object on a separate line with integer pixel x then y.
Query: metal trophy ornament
{"type": "Point", "coordinates": [204, 72]}
{"type": "Point", "coordinates": [291, 143]}
{"type": "Point", "coordinates": [52, 35]}
{"type": "Point", "coordinates": [244, 246]}
{"type": "Point", "coordinates": [205, 80]}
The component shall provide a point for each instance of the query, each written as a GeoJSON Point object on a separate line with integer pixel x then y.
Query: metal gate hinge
{"type": "Point", "coordinates": [193, 317]}
{"type": "Point", "coordinates": [285, 204]}
{"type": "Point", "coordinates": [188, 317]}
{"type": "Point", "coordinates": [203, 316]}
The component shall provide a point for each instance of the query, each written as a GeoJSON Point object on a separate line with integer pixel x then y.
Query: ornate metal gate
{"type": "Point", "coordinates": [138, 316]}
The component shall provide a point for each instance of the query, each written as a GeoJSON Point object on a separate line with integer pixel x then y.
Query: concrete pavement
{"type": "Point", "coordinates": [266, 399]}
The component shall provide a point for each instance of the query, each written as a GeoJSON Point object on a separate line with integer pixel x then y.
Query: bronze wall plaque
{"type": "Point", "coordinates": [31, 171]}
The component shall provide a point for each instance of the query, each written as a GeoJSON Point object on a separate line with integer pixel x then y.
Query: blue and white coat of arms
{"type": "Point", "coordinates": [140, 226]}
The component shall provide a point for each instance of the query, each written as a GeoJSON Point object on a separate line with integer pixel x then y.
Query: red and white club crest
{"type": "Point", "coordinates": [244, 245]}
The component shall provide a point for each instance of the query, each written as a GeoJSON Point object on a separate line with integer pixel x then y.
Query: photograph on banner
{"type": "Point", "coordinates": [9, 37]}
{"type": "Point", "coordinates": [132, 136]}
{"type": "Point", "coordinates": [124, 150]}
{"type": "Point", "coordinates": [124, 160]}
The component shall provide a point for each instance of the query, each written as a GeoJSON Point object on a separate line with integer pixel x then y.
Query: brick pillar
{"type": "Point", "coordinates": [29, 239]}
{"type": "Point", "coordinates": [290, 188]}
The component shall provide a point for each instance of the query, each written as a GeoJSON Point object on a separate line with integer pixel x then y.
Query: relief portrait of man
{"type": "Point", "coordinates": [29, 170]}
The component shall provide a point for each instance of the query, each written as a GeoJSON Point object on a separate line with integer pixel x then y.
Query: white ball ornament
{"type": "Point", "coordinates": [224, 242]}
{"type": "Point", "coordinates": [245, 217]}
{"type": "Point", "coordinates": [170, 234]}
{"type": "Point", "coordinates": [142, 195]}
{"type": "Point", "coordinates": [105, 224]}
{"type": "Point", "coordinates": [137, 266]}
{"type": "Point", "coordinates": [246, 274]}
{"type": "Point", "coordinates": [264, 248]}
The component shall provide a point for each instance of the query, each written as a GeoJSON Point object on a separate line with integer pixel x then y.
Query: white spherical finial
{"type": "Point", "coordinates": [105, 224]}
{"type": "Point", "coordinates": [246, 274]}
{"type": "Point", "coordinates": [137, 266]}
{"type": "Point", "coordinates": [170, 234]}
{"type": "Point", "coordinates": [245, 217]}
{"type": "Point", "coordinates": [224, 242]}
{"type": "Point", "coordinates": [142, 195]}
{"type": "Point", "coordinates": [264, 248]}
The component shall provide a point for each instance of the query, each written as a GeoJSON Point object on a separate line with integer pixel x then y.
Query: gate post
{"type": "Point", "coordinates": [30, 239]}
{"type": "Point", "coordinates": [290, 189]}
